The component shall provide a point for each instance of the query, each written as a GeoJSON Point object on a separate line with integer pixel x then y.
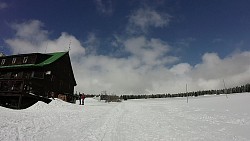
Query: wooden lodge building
{"type": "Point", "coordinates": [28, 78]}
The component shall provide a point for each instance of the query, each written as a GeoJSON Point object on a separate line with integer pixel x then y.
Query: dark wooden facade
{"type": "Point", "coordinates": [27, 78]}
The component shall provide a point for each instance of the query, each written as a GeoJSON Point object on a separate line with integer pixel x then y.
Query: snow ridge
{"type": "Point", "coordinates": [203, 118]}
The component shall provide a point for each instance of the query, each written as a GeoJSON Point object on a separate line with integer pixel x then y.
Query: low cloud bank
{"type": "Point", "coordinates": [144, 71]}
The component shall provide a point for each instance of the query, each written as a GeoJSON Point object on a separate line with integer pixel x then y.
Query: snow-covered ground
{"type": "Point", "coordinates": [207, 118]}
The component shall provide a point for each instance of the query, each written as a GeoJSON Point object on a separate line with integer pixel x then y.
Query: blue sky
{"type": "Point", "coordinates": [174, 38]}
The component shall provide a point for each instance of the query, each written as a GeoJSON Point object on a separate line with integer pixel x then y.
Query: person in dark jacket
{"type": "Point", "coordinates": [83, 97]}
{"type": "Point", "coordinates": [80, 99]}
{"type": "Point", "coordinates": [52, 94]}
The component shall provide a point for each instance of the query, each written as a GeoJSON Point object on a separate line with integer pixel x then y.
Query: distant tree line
{"type": "Point", "coordinates": [114, 98]}
{"type": "Point", "coordinates": [106, 97]}
{"type": "Point", "coordinates": [238, 89]}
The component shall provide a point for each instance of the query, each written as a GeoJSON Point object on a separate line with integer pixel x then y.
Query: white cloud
{"type": "Point", "coordinates": [104, 6]}
{"type": "Point", "coordinates": [145, 71]}
{"type": "Point", "coordinates": [144, 18]}
{"type": "Point", "coordinates": [211, 72]}
{"type": "Point", "coordinates": [30, 37]}
{"type": "Point", "coordinates": [31, 30]}
{"type": "Point", "coordinates": [150, 52]}
{"type": "Point", "coordinates": [3, 5]}
{"type": "Point", "coordinates": [134, 75]}
{"type": "Point", "coordinates": [92, 43]}
{"type": "Point", "coordinates": [181, 69]}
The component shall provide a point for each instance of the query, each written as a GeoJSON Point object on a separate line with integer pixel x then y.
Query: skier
{"type": "Point", "coordinates": [83, 97]}
{"type": "Point", "coordinates": [80, 98]}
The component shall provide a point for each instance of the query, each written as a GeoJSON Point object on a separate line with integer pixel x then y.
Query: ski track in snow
{"type": "Point", "coordinates": [203, 118]}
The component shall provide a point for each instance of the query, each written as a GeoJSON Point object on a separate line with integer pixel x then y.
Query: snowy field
{"type": "Point", "coordinates": [206, 118]}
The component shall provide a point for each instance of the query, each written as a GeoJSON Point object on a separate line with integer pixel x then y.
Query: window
{"type": "Point", "coordinates": [26, 75]}
{"type": "Point", "coordinates": [48, 72]}
{"type": "Point", "coordinates": [13, 60]}
{"type": "Point", "coordinates": [3, 61]}
{"type": "Point", "coordinates": [14, 74]}
{"type": "Point", "coordinates": [25, 59]}
{"type": "Point", "coordinates": [37, 74]}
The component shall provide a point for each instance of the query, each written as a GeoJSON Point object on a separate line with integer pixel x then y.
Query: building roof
{"type": "Point", "coordinates": [54, 56]}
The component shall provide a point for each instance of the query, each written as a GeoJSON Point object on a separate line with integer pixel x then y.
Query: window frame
{"type": "Point", "coordinates": [25, 59]}
{"type": "Point", "coordinates": [3, 61]}
{"type": "Point", "coordinates": [14, 60]}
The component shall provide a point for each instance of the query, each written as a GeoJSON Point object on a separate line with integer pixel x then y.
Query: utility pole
{"type": "Point", "coordinates": [225, 91]}
{"type": "Point", "coordinates": [186, 93]}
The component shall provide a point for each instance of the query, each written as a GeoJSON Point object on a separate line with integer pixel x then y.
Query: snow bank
{"type": "Point", "coordinates": [203, 118]}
